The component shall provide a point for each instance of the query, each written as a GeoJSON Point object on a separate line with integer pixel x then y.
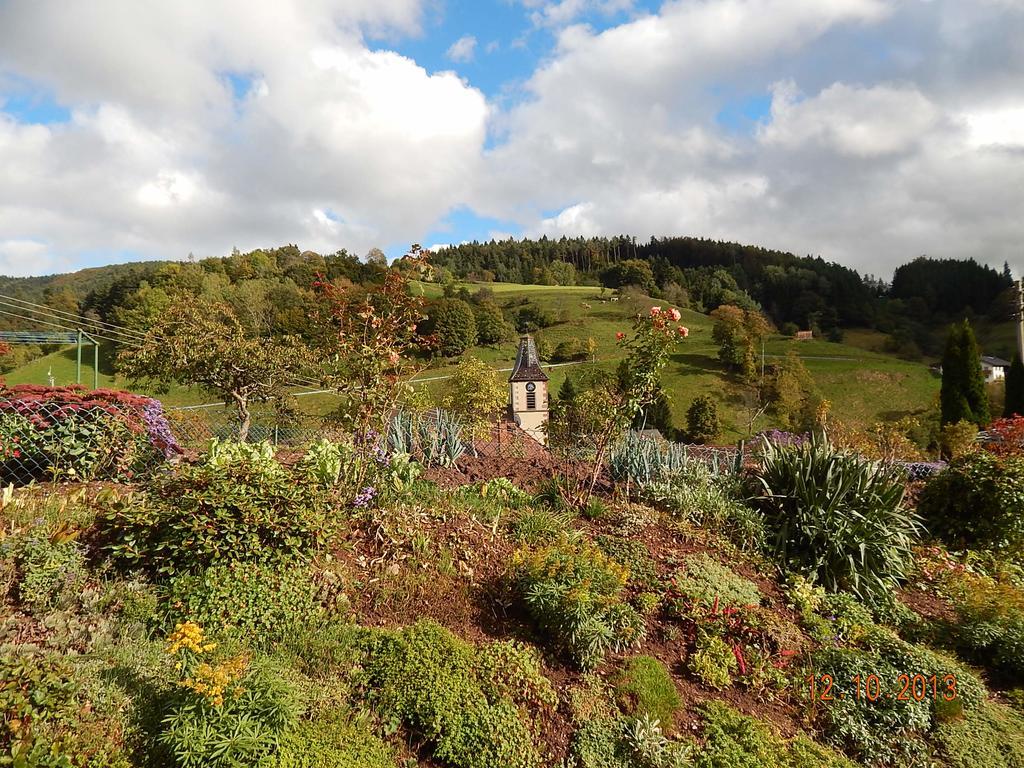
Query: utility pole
{"type": "Point", "coordinates": [1020, 318]}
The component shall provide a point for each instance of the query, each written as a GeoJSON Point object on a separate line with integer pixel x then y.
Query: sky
{"type": "Point", "coordinates": [868, 132]}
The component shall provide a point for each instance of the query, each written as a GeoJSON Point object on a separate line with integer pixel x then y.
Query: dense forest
{"type": "Point", "coordinates": [794, 291]}
{"type": "Point", "coordinates": [272, 288]}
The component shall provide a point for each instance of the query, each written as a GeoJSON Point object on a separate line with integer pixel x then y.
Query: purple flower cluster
{"type": "Point", "coordinates": [922, 470]}
{"type": "Point", "coordinates": [365, 497]}
{"type": "Point", "coordinates": [785, 439]}
{"type": "Point", "coordinates": [371, 442]}
{"type": "Point", "coordinates": [159, 429]}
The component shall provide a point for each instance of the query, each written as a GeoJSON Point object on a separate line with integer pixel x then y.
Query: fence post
{"type": "Point", "coordinates": [276, 434]}
{"type": "Point", "coordinates": [78, 364]}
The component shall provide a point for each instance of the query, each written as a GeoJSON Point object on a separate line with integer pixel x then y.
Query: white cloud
{"type": "Point", "coordinates": [161, 158]}
{"type": "Point", "coordinates": [19, 258]}
{"type": "Point", "coordinates": [896, 149]}
{"type": "Point", "coordinates": [559, 13]}
{"type": "Point", "coordinates": [862, 122]}
{"type": "Point", "coordinates": [463, 49]}
{"type": "Point", "coordinates": [1003, 127]}
{"type": "Point", "coordinates": [895, 127]}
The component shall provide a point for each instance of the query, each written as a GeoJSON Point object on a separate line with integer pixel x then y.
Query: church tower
{"type": "Point", "coordinates": [528, 392]}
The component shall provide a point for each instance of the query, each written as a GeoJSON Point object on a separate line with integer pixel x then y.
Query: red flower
{"type": "Point", "coordinates": [683, 331]}
{"type": "Point", "coordinates": [620, 336]}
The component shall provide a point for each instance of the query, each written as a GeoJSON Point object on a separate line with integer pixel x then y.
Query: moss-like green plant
{"type": "Point", "coordinates": [706, 582]}
{"type": "Point", "coordinates": [333, 740]}
{"type": "Point", "coordinates": [732, 739]}
{"type": "Point", "coordinates": [261, 603]}
{"type": "Point", "coordinates": [644, 687]}
{"type": "Point", "coordinates": [991, 736]}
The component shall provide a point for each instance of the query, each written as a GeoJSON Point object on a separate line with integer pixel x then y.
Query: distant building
{"type": "Point", "coordinates": [994, 368]}
{"type": "Point", "coordinates": [804, 335]}
{"type": "Point", "coordinates": [528, 392]}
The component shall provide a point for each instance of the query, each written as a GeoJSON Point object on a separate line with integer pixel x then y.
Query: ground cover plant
{"type": "Point", "coordinates": [329, 607]}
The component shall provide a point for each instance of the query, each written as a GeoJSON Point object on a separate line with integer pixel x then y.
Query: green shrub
{"type": "Point", "coordinates": [837, 619]}
{"type": "Point", "coordinates": [425, 677]}
{"type": "Point", "coordinates": [222, 710]}
{"type": "Point", "coordinates": [333, 740]}
{"type": "Point", "coordinates": [609, 742]}
{"type": "Point", "coordinates": [575, 594]}
{"type": "Point", "coordinates": [837, 518]}
{"type": "Point", "coordinates": [512, 670]}
{"type": "Point", "coordinates": [706, 582]}
{"type": "Point", "coordinates": [713, 661]}
{"type": "Point", "coordinates": [260, 602]}
{"type": "Point", "coordinates": [644, 687]}
{"type": "Point", "coordinates": [991, 736]}
{"type": "Point", "coordinates": [635, 557]}
{"type": "Point", "coordinates": [700, 497]}
{"type": "Point", "coordinates": [976, 502]}
{"type": "Point", "coordinates": [990, 624]}
{"type": "Point", "coordinates": [702, 422]}
{"type": "Point", "coordinates": [732, 740]}
{"type": "Point", "coordinates": [540, 524]}
{"type": "Point", "coordinates": [203, 515]}
{"type": "Point", "coordinates": [890, 730]}
{"type": "Point", "coordinates": [48, 719]}
{"type": "Point", "coordinates": [53, 573]}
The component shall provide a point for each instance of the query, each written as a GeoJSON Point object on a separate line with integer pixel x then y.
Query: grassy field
{"type": "Point", "coordinates": [863, 384]}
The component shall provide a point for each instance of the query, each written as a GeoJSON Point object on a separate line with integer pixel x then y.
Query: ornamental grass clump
{"type": "Point", "coordinates": [837, 518]}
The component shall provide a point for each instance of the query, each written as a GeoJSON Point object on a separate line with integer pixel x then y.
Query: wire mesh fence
{"type": "Point", "coordinates": [83, 436]}
{"type": "Point", "coordinates": [116, 436]}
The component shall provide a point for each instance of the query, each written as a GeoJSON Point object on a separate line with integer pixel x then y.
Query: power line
{"type": "Point", "coordinates": [51, 310]}
{"type": "Point", "coordinates": [77, 321]}
{"type": "Point", "coordinates": [62, 327]}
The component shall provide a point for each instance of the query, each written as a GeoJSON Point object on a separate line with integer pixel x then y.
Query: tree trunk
{"type": "Point", "coordinates": [244, 418]}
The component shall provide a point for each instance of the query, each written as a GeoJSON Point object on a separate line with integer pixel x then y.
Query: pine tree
{"type": "Point", "coordinates": [963, 396]}
{"type": "Point", "coordinates": [1015, 389]}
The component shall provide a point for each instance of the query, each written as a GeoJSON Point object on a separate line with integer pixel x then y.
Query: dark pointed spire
{"type": "Point", "coordinates": [527, 367]}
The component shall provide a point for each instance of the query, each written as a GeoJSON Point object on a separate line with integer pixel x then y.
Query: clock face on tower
{"type": "Point", "coordinates": [530, 386]}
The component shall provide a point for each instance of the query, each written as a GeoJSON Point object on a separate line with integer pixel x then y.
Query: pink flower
{"type": "Point", "coordinates": [655, 311]}
{"type": "Point", "coordinates": [393, 357]}
{"type": "Point", "coordinates": [620, 336]}
{"type": "Point", "coordinates": [674, 314]}
{"type": "Point", "coordinates": [683, 331]}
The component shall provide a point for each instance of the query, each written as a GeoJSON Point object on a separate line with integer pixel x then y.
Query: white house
{"type": "Point", "coordinates": [528, 392]}
{"type": "Point", "coordinates": [994, 368]}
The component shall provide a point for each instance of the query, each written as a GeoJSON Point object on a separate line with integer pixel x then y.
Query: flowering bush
{"type": "Point", "coordinates": [224, 711]}
{"type": "Point", "coordinates": [1006, 437]}
{"type": "Point", "coordinates": [72, 432]}
{"type": "Point", "coordinates": [575, 594]}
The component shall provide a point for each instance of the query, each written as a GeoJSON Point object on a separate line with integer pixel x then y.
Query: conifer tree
{"type": "Point", "coordinates": [963, 396]}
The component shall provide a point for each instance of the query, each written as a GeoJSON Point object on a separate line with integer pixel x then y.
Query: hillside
{"type": "Point", "coordinates": [863, 386]}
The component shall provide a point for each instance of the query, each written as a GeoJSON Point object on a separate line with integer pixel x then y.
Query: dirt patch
{"type": "Point", "coordinates": [928, 605]}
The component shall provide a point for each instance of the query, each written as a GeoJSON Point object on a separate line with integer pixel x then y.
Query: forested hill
{"type": "Point", "coordinates": [804, 291]}
{"type": "Point", "coordinates": [796, 292]}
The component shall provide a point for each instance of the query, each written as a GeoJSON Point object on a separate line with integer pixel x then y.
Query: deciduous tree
{"type": "Point", "coordinates": [201, 343]}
